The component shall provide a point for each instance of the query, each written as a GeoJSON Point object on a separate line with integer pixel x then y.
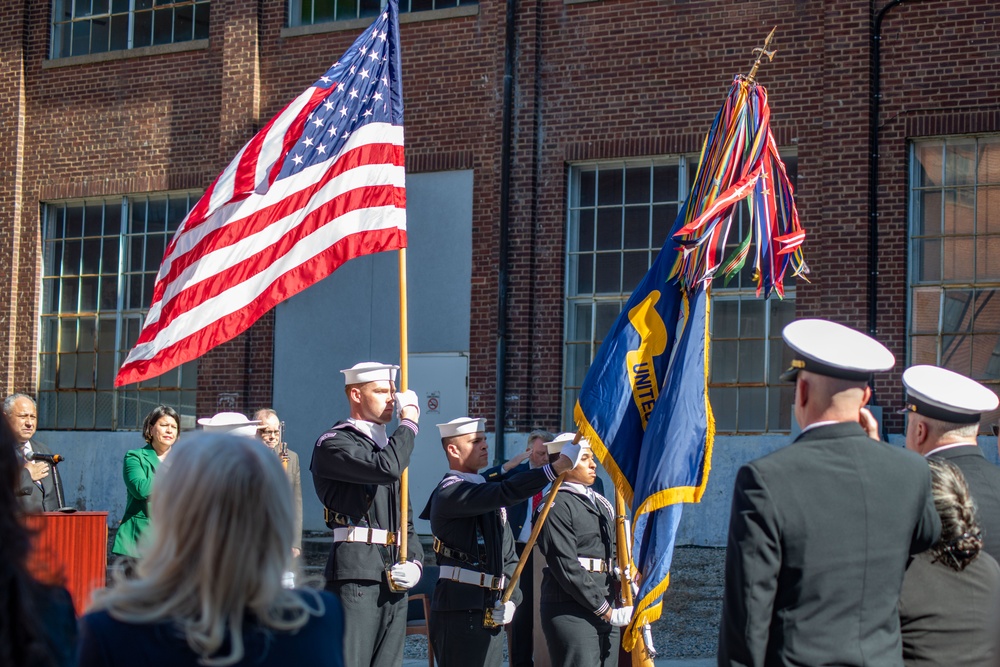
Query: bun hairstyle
{"type": "Point", "coordinates": [961, 538]}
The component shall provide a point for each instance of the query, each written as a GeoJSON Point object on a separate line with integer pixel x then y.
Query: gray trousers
{"type": "Point", "coordinates": [374, 623]}
{"type": "Point", "coordinates": [578, 638]}
{"type": "Point", "coordinates": [460, 640]}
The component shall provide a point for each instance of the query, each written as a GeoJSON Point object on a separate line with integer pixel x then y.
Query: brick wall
{"type": "Point", "coordinates": [610, 79]}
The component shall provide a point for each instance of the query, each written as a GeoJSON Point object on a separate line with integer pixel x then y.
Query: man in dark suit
{"type": "Point", "coordinates": [944, 411]}
{"type": "Point", "coordinates": [821, 531]}
{"type": "Point", "coordinates": [270, 433]}
{"type": "Point", "coordinates": [519, 518]}
{"type": "Point", "coordinates": [37, 488]}
{"type": "Point", "coordinates": [475, 546]}
{"type": "Point", "coordinates": [356, 467]}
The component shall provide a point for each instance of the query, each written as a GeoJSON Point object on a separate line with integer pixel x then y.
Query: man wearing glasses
{"type": "Point", "coordinates": [269, 432]}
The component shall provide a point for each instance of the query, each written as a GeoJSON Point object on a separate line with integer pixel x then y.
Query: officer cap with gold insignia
{"type": "Point", "coordinates": [562, 440]}
{"type": "Point", "coordinates": [461, 426]}
{"type": "Point", "coordinates": [831, 349]}
{"type": "Point", "coordinates": [941, 394]}
{"type": "Point", "coordinates": [369, 371]}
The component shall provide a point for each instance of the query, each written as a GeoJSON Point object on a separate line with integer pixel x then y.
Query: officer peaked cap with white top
{"type": "Point", "coordinates": [831, 349]}
{"type": "Point", "coordinates": [461, 426]}
{"type": "Point", "coordinates": [941, 394]}
{"type": "Point", "coordinates": [369, 371]}
{"type": "Point", "coordinates": [564, 439]}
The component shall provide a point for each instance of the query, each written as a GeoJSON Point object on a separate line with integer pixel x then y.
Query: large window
{"type": "Point", "coordinates": [308, 12]}
{"type": "Point", "coordinates": [619, 216]}
{"type": "Point", "coordinates": [955, 256]}
{"type": "Point", "coordinates": [99, 266]}
{"type": "Point", "coordinates": [80, 27]}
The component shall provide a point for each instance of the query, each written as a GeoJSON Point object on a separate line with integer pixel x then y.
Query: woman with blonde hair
{"type": "Point", "coordinates": [207, 588]}
{"type": "Point", "coordinates": [949, 591]}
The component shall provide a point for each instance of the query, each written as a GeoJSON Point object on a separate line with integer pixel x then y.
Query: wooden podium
{"type": "Point", "coordinates": [70, 550]}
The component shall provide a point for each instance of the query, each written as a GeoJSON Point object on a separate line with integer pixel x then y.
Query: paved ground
{"type": "Point", "coordinates": [685, 635]}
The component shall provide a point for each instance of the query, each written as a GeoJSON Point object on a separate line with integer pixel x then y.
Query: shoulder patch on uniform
{"type": "Point", "coordinates": [449, 480]}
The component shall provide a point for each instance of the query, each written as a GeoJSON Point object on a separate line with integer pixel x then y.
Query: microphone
{"type": "Point", "coordinates": [47, 458]}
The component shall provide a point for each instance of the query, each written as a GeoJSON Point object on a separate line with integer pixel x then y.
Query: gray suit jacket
{"type": "Point", "coordinates": [984, 483]}
{"type": "Point", "coordinates": [819, 537]}
{"type": "Point", "coordinates": [33, 499]}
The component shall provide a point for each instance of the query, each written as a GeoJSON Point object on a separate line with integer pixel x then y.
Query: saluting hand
{"type": "Point", "coordinates": [869, 423]}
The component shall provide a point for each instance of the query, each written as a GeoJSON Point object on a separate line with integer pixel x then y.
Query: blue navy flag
{"type": "Point", "coordinates": [644, 408]}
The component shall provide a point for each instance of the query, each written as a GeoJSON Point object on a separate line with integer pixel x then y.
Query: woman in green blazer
{"type": "Point", "coordinates": [160, 430]}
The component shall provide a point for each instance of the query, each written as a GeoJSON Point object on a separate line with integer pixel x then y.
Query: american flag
{"type": "Point", "coordinates": [321, 183]}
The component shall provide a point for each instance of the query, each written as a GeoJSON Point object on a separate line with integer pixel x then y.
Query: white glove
{"type": "Point", "coordinates": [406, 399]}
{"type": "Point", "coordinates": [620, 616]}
{"type": "Point", "coordinates": [572, 452]}
{"type": "Point", "coordinates": [405, 575]}
{"type": "Point", "coordinates": [503, 613]}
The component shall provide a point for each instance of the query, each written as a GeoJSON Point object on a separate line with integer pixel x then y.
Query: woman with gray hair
{"type": "Point", "coordinates": [950, 591]}
{"type": "Point", "coordinates": [207, 589]}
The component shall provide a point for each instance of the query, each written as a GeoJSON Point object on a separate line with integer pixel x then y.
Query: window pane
{"type": "Point", "coordinates": [607, 273]}
{"type": "Point", "coordinates": [725, 360]}
{"type": "Point", "coordinates": [609, 229]}
{"type": "Point", "coordinates": [637, 185]}
{"type": "Point", "coordinates": [609, 187]}
{"type": "Point", "coordinates": [581, 314]}
{"type": "Point", "coordinates": [119, 32]}
{"type": "Point", "coordinates": [184, 23]}
{"type": "Point", "coordinates": [142, 34]}
{"type": "Point", "coordinates": [780, 402]}
{"type": "Point", "coordinates": [751, 360]}
{"type": "Point", "coordinates": [201, 21]}
{"type": "Point", "coordinates": [81, 38]}
{"type": "Point", "coordinates": [929, 164]}
{"type": "Point", "coordinates": [989, 161]}
{"type": "Point", "coordinates": [988, 210]}
{"type": "Point", "coordinates": [588, 189]}
{"type": "Point", "coordinates": [583, 222]}
{"type": "Point", "coordinates": [665, 181]}
{"type": "Point", "coordinates": [960, 162]}
{"type": "Point", "coordinates": [752, 323]}
{"type": "Point", "coordinates": [986, 357]}
{"type": "Point", "coordinates": [956, 353]}
{"type": "Point", "coordinates": [163, 26]}
{"type": "Point", "coordinates": [957, 315]}
{"type": "Point", "coordinates": [723, 401]}
{"type": "Point", "coordinates": [959, 212]}
{"type": "Point", "coordinates": [99, 36]}
{"type": "Point", "coordinates": [782, 314]}
{"type": "Point", "coordinates": [924, 350]}
{"type": "Point", "coordinates": [607, 313]}
{"type": "Point", "coordinates": [664, 217]}
{"type": "Point", "coordinates": [635, 265]}
{"type": "Point", "coordinates": [753, 412]}
{"type": "Point", "coordinates": [637, 227]}
{"type": "Point", "coordinates": [927, 259]}
{"type": "Point", "coordinates": [725, 318]}
{"type": "Point", "coordinates": [926, 306]}
{"type": "Point", "coordinates": [584, 265]}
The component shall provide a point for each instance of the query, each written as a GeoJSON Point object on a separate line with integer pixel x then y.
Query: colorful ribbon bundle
{"type": "Point", "coordinates": [739, 160]}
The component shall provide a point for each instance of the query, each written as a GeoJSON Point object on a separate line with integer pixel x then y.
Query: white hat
{"type": "Point", "coordinates": [369, 371]}
{"type": "Point", "coordinates": [831, 349]}
{"type": "Point", "coordinates": [945, 395]}
{"type": "Point", "coordinates": [564, 439]}
{"type": "Point", "coordinates": [461, 426]}
{"type": "Point", "coordinates": [230, 422]}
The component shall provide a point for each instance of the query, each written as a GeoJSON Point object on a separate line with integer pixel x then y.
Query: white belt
{"type": "Point", "coordinates": [365, 535]}
{"type": "Point", "coordinates": [593, 564]}
{"type": "Point", "coordinates": [463, 576]}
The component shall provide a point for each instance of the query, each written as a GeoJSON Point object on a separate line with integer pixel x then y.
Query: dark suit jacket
{"type": "Point", "coordinates": [946, 616]}
{"type": "Point", "coordinates": [37, 500]}
{"type": "Point", "coordinates": [984, 483]}
{"type": "Point", "coordinates": [294, 475]}
{"type": "Point", "coordinates": [819, 537]}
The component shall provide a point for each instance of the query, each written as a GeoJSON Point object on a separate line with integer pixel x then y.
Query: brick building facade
{"type": "Point", "coordinates": [598, 82]}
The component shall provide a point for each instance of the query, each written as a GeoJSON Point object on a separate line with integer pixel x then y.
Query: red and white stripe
{"type": "Point", "coordinates": [253, 241]}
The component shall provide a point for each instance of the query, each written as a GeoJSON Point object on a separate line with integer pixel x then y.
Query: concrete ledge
{"type": "Point", "coordinates": [141, 52]}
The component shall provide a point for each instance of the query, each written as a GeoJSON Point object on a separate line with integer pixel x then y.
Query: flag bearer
{"type": "Point", "coordinates": [580, 618]}
{"type": "Point", "coordinates": [475, 547]}
{"type": "Point", "coordinates": [356, 468]}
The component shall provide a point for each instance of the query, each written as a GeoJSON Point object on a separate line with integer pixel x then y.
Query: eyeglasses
{"type": "Point", "coordinates": [269, 432]}
{"type": "Point", "coordinates": [995, 429]}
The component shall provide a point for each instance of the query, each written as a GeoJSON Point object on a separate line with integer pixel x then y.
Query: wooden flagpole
{"type": "Point", "coordinates": [404, 479]}
{"type": "Point", "coordinates": [640, 656]}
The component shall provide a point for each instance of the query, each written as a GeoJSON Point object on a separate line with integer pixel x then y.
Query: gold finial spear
{"type": "Point", "coordinates": [760, 52]}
